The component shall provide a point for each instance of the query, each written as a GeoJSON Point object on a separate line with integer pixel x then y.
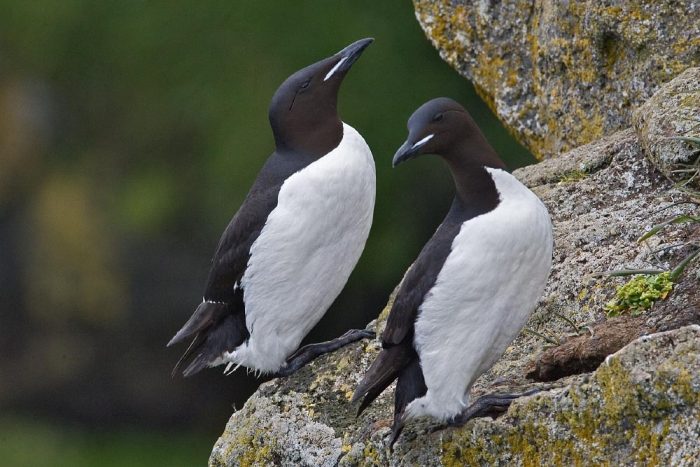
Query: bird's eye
{"type": "Point", "coordinates": [438, 117]}
{"type": "Point", "coordinates": [305, 84]}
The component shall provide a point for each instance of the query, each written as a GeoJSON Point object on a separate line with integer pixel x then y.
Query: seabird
{"type": "Point", "coordinates": [472, 287]}
{"type": "Point", "coordinates": [289, 250]}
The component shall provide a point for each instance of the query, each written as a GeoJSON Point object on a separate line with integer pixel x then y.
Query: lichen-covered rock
{"type": "Point", "coordinates": [641, 407]}
{"type": "Point", "coordinates": [673, 111]}
{"type": "Point", "coordinates": [643, 402]}
{"type": "Point", "coordinates": [561, 74]}
{"type": "Point", "coordinates": [256, 434]}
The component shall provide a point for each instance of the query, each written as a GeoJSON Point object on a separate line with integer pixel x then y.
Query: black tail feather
{"type": "Point", "coordinates": [382, 373]}
{"type": "Point", "coordinates": [194, 345]}
{"type": "Point", "coordinates": [206, 314]}
{"type": "Point", "coordinates": [211, 343]}
{"type": "Point", "coordinates": [410, 386]}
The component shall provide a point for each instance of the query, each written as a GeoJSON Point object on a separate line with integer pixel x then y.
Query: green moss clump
{"type": "Point", "coordinates": [639, 294]}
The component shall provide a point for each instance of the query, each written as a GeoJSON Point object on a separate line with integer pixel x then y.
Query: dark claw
{"type": "Point", "coordinates": [487, 405]}
{"type": "Point", "coordinates": [312, 351]}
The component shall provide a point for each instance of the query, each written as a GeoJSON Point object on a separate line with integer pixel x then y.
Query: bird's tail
{"type": "Point", "coordinates": [215, 329]}
{"type": "Point", "coordinates": [410, 386]}
{"type": "Point", "coordinates": [206, 314]}
{"type": "Point", "coordinates": [209, 344]}
{"type": "Point", "coordinates": [385, 369]}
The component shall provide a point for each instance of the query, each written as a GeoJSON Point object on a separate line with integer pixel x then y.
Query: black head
{"type": "Point", "coordinates": [441, 126]}
{"type": "Point", "coordinates": [303, 112]}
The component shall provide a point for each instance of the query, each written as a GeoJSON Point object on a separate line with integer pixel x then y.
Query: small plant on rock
{"type": "Point", "coordinates": [639, 294]}
{"type": "Point", "coordinates": [648, 286]}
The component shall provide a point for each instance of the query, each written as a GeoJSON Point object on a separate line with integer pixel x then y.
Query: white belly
{"type": "Point", "coordinates": [484, 294]}
{"type": "Point", "coordinates": [306, 251]}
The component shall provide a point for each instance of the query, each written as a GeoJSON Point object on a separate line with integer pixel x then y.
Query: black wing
{"type": "Point", "coordinates": [218, 323]}
{"type": "Point", "coordinates": [398, 358]}
{"type": "Point", "coordinates": [419, 279]}
{"type": "Point", "coordinates": [232, 254]}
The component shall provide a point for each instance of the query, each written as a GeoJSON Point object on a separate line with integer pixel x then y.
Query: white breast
{"type": "Point", "coordinates": [484, 294]}
{"type": "Point", "coordinates": [306, 251]}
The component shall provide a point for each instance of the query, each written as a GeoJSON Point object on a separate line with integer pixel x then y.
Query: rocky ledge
{"type": "Point", "coordinates": [623, 389]}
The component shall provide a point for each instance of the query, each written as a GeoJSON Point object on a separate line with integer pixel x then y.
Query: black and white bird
{"type": "Point", "coordinates": [289, 250]}
{"type": "Point", "coordinates": [472, 287]}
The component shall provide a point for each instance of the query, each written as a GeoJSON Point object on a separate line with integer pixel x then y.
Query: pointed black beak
{"type": "Point", "coordinates": [348, 56]}
{"type": "Point", "coordinates": [409, 150]}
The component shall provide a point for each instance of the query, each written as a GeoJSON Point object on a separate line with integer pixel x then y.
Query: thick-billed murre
{"type": "Point", "coordinates": [289, 250]}
{"type": "Point", "coordinates": [472, 287]}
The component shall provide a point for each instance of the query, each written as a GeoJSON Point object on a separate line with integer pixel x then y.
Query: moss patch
{"type": "Point", "coordinates": [639, 294]}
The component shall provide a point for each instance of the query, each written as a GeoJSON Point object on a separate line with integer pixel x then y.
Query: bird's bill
{"type": "Point", "coordinates": [347, 57]}
{"type": "Point", "coordinates": [409, 150]}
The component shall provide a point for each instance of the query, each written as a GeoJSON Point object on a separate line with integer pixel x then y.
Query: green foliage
{"type": "Point", "coordinates": [639, 294]}
{"type": "Point", "coordinates": [680, 219]}
{"type": "Point", "coordinates": [40, 444]}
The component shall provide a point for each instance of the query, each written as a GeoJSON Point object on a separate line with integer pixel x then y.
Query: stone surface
{"type": "Point", "coordinates": [674, 110]}
{"type": "Point", "coordinates": [564, 73]}
{"type": "Point", "coordinates": [601, 197]}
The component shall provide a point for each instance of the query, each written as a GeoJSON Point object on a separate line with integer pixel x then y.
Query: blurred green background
{"type": "Point", "coordinates": [130, 132]}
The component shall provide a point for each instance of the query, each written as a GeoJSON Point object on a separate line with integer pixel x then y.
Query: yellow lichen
{"type": "Point", "coordinates": [253, 449]}
{"type": "Point", "coordinates": [587, 425]}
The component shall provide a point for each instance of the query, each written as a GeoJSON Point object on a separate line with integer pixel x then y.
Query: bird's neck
{"type": "Point", "coordinates": [475, 189]}
{"type": "Point", "coordinates": [313, 140]}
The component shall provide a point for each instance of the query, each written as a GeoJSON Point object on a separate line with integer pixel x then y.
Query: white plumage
{"type": "Point", "coordinates": [488, 287]}
{"type": "Point", "coordinates": [306, 252]}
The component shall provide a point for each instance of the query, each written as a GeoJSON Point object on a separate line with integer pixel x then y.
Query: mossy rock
{"type": "Point", "coordinates": [562, 74]}
{"type": "Point", "coordinates": [642, 403]}
{"type": "Point", "coordinates": [642, 406]}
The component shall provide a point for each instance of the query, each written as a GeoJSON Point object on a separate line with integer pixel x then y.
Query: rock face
{"type": "Point", "coordinates": [641, 406]}
{"type": "Point", "coordinates": [642, 402]}
{"type": "Point", "coordinates": [564, 73]}
{"type": "Point", "coordinates": [673, 111]}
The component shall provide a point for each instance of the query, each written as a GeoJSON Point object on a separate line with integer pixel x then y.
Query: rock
{"type": "Point", "coordinates": [641, 407]}
{"type": "Point", "coordinates": [561, 74]}
{"type": "Point", "coordinates": [642, 402]}
{"type": "Point", "coordinates": [674, 110]}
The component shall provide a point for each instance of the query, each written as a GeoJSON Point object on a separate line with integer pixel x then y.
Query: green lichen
{"type": "Point", "coordinates": [586, 424]}
{"type": "Point", "coordinates": [563, 78]}
{"type": "Point", "coordinates": [252, 449]}
{"type": "Point", "coordinates": [573, 176]}
{"type": "Point", "coordinates": [371, 456]}
{"type": "Point", "coordinates": [639, 294]}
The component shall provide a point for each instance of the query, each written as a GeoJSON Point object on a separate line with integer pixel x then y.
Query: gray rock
{"type": "Point", "coordinates": [674, 110]}
{"type": "Point", "coordinates": [643, 402]}
{"type": "Point", "coordinates": [564, 73]}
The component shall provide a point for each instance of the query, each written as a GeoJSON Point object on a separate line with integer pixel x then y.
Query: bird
{"type": "Point", "coordinates": [287, 253]}
{"type": "Point", "coordinates": [473, 285]}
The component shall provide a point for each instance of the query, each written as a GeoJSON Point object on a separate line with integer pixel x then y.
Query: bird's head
{"type": "Point", "coordinates": [441, 126]}
{"type": "Point", "coordinates": [304, 110]}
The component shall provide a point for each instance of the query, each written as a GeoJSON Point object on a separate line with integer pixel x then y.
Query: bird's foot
{"type": "Point", "coordinates": [489, 405]}
{"type": "Point", "coordinates": [310, 352]}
